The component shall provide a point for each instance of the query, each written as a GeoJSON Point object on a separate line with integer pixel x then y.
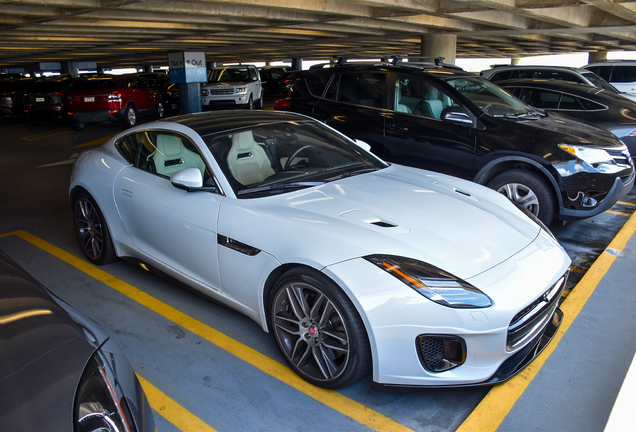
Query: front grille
{"type": "Point", "coordinates": [621, 157]}
{"type": "Point", "coordinates": [531, 320]}
{"type": "Point", "coordinates": [432, 350]}
{"type": "Point", "coordinates": [221, 92]}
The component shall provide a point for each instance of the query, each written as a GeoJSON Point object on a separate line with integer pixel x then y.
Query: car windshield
{"type": "Point", "coordinates": [490, 98]}
{"type": "Point", "coordinates": [600, 82]}
{"type": "Point", "coordinates": [228, 75]}
{"type": "Point", "coordinates": [282, 157]}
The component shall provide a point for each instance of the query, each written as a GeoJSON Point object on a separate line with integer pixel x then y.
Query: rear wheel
{"type": "Point", "coordinates": [130, 116]}
{"type": "Point", "coordinates": [91, 230]}
{"type": "Point", "coordinates": [529, 190]}
{"type": "Point", "coordinates": [77, 125]}
{"type": "Point", "coordinates": [318, 330]}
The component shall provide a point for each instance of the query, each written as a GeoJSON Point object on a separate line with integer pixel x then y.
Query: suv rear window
{"type": "Point", "coordinates": [98, 84]}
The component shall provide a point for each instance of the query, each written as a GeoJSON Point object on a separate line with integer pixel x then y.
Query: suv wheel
{"type": "Point", "coordinates": [130, 116]}
{"type": "Point", "coordinates": [77, 125]}
{"type": "Point", "coordinates": [250, 103]}
{"type": "Point", "coordinates": [529, 190]}
{"type": "Point", "coordinates": [159, 110]}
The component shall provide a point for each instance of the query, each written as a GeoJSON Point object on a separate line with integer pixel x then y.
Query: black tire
{"type": "Point", "coordinates": [160, 110]}
{"type": "Point", "coordinates": [130, 116]}
{"type": "Point", "coordinates": [324, 339]}
{"type": "Point", "coordinates": [250, 103]}
{"type": "Point", "coordinates": [529, 190]}
{"type": "Point", "coordinates": [77, 125]}
{"type": "Point", "coordinates": [259, 103]}
{"type": "Point", "coordinates": [92, 231]}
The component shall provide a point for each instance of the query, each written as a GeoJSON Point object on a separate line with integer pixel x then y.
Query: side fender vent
{"type": "Point", "coordinates": [383, 224]}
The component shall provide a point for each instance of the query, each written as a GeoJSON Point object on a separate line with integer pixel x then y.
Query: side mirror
{"type": "Point", "coordinates": [457, 115]}
{"type": "Point", "coordinates": [187, 178]}
{"type": "Point", "coordinates": [363, 145]}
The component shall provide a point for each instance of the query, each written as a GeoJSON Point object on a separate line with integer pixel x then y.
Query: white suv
{"type": "Point", "coordinates": [621, 74]}
{"type": "Point", "coordinates": [233, 87]}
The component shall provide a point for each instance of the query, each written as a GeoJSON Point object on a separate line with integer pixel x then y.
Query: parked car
{"type": "Point", "coordinates": [169, 91]}
{"type": "Point", "coordinates": [599, 107]}
{"type": "Point", "coordinates": [271, 79]}
{"type": "Point", "coordinates": [233, 87]}
{"type": "Point", "coordinates": [621, 74]}
{"type": "Point", "coordinates": [47, 99]}
{"type": "Point", "coordinates": [121, 98]}
{"type": "Point", "coordinates": [59, 370]}
{"type": "Point", "coordinates": [353, 265]}
{"type": "Point", "coordinates": [561, 73]}
{"type": "Point", "coordinates": [12, 94]}
{"type": "Point", "coordinates": [461, 124]}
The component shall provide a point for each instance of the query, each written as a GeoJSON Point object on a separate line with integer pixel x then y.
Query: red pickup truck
{"type": "Point", "coordinates": [112, 98]}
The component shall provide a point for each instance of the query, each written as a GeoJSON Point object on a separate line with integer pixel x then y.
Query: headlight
{"type": "Point", "coordinates": [592, 156]}
{"type": "Point", "coordinates": [98, 405]}
{"type": "Point", "coordinates": [433, 283]}
{"type": "Point", "coordinates": [241, 90]}
{"type": "Point", "coordinates": [204, 92]}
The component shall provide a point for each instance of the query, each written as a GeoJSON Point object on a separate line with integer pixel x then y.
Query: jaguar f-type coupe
{"type": "Point", "coordinates": [354, 265]}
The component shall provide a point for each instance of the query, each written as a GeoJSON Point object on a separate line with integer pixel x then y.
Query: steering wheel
{"type": "Point", "coordinates": [293, 156]}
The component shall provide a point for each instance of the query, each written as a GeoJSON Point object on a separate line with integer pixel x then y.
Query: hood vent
{"type": "Point", "coordinates": [383, 224]}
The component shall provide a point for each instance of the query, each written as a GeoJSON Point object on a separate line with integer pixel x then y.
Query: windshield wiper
{"type": "Point", "coordinates": [352, 173]}
{"type": "Point", "coordinates": [282, 187]}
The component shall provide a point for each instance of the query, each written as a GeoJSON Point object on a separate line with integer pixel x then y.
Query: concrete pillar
{"type": "Point", "coordinates": [190, 97]}
{"type": "Point", "coordinates": [70, 68]}
{"type": "Point", "coordinates": [297, 64]}
{"type": "Point", "coordinates": [440, 45]}
{"type": "Point", "coordinates": [515, 61]}
{"type": "Point", "coordinates": [597, 56]}
{"type": "Point", "coordinates": [148, 69]}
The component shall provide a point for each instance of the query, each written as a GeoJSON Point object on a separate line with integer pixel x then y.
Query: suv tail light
{"type": "Point", "coordinates": [281, 104]}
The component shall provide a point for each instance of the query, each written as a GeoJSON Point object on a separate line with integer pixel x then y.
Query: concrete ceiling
{"type": "Point", "coordinates": [131, 32]}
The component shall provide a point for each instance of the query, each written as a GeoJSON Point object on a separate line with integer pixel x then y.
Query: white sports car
{"type": "Point", "coordinates": [353, 264]}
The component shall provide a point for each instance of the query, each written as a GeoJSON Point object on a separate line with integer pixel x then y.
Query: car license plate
{"type": "Point", "coordinates": [39, 99]}
{"type": "Point", "coordinates": [89, 99]}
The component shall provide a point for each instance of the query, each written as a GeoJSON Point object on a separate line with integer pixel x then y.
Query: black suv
{"type": "Point", "coordinates": [460, 124]}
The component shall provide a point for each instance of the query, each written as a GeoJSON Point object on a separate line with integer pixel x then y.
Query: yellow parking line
{"type": "Point", "coordinates": [626, 203]}
{"type": "Point", "coordinates": [98, 141]}
{"type": "Point", "coordinates": [43, 135]}
{"type": "Point", "coordinates": [331, 398]}
{"type": "Point", "coordinates": [499, 401]}
{"type": "Point", "coordinates": [618, 213]}
{"type": "Point", "coordinates": [172, 411]}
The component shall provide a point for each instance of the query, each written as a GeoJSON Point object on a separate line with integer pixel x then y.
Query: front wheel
{"type": "Point", "coordinates": [250, 103]}
{"type": "Point", "coordinates": [318, 330]}
{"type": "Point", "coordinates": [160, 110]}
{"type": "Point", "coordinates": [529, 190]}
{"type": "Point", "coordinates": [130, 116]}
{"type": "Point", "coordinates": [91, 230]}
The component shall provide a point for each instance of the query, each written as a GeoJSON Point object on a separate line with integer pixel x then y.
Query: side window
{"type": "Point", "coordinates": [569, 77]}
{"type": "Point", "coordinates": [317, 84]}
{"type": "Point", "coordinates": [624, 74]}
{"type": "Point", "coordinates": [332, 91]}
{"type": "Point", "coordinates": [570, 103]}
{"type": "Point", "coordinates": [420, 97]}
{"type": "Point", "coordinates": [602, 71]}
{"type": "Point", "coordinates": [362, 89]}
{"type": "Point", "coordinates": [540, 98]}
{"type": "Point", "coordinates": [503, 75]}
{"type": "Point", "coordinates": [161, 153]}
{"type": "Point", "coordinates": [592, 106]}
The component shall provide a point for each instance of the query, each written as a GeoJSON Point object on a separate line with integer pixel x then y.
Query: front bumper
{"type": "Point", "coordinates": [94, 116]}
{"type": "Point", "coordinates": [619, 189]}
{"type": "Point", "coordinates": [395, 316]}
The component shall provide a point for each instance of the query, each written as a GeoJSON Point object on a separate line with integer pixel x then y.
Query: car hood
{"type": "Point", "coordinates": [450, 223]}
{"type": "Point", "coordinates": [566, 130]}
{"type": "Point", "coordinates": [225, 84]}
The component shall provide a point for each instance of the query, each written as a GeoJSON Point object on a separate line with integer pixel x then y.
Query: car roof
{"type": "Point", "coordinates": [556, 85]}
{"type": "Point", "coordinates": [208, 123]}
{"type": "Point", "coordinates": [403, 67]}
